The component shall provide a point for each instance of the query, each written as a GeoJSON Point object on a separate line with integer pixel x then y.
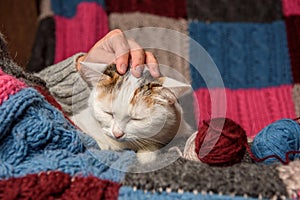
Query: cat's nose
{"type": "Point", "coordinates": [117, 131]}
{"type": "Point", "coordinates": [118, 134]}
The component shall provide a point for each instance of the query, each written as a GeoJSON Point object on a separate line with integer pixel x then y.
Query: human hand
{"type": "Point", "coordinates": [116, 48]}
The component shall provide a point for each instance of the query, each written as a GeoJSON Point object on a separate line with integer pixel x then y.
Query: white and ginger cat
{"type": "Point", "coordinates": [125, 112]}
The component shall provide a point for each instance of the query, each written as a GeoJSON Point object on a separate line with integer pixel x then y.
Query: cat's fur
{"type": "Point", "coordinates": [141, 114]}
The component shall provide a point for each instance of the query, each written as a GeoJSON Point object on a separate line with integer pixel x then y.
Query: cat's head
{"type": "Point", "coordinates": [136, 112]}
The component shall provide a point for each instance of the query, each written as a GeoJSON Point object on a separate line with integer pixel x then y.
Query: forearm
{"type": "Point", "coordinates": [66, 85]}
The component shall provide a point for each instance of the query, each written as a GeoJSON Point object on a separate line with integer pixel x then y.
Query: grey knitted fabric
{"type": "Point", "coordinates": [243, 179]}
{"type": "Point", "coordinates": [66, 85]}
{"type": "Point", "coordinates": [234, 10]}
{"type": "Point", "coordinates": [130, 21]}
{"type": "Point", "coordinates": [296, 98]}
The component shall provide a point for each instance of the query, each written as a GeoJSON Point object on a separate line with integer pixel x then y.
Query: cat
{"type": "Point", "coordinates": [125, 112]}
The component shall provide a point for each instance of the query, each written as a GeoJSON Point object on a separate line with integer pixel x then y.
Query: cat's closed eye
{"type": "Point", "coordinates": [109, 113]}
{"type": "Point", "coordinates": [137, 118]}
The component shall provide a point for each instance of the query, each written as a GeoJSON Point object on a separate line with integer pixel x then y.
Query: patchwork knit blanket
{"type": "Point", "coordinates": [255, 46]}
{"type": "Point", "coordinates": [46, 157]}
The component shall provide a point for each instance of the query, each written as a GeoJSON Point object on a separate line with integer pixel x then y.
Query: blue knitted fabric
{"type": "Point", "coordinates": [127, 193]}
{"type": "Point", "coordinates": [67, 8]}
{"type": "Point", "coordinates": [248, 55]}
{"type": "Point", "coordinates": [36, 137]}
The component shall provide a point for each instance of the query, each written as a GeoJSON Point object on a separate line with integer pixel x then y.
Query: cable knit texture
{"type": "Point", "coordinates": [58, 185]}
{"type": "Point", "coordinates": [66, 85]}
{"type": "Point", "coordinates": [246, 39]}
{"type": "Point", "coordinates": [52, 143]}
{"type": "Point", "coordinates": [130, 21]}
{"type": "Point", "coordinates": [291, 7]}
{"type": "Point", "coordinates": [167, 8]}
{"type": "Point", "coordinates": [293, 35]}
{"type": "Point", "coordinates": [248, 55]}
{"type": "Point", "coordinates": [242, 106]}
{"type": "Point", "coordinates": [81, 32]}
{"type": "Point", "coordinates": [235, 10]}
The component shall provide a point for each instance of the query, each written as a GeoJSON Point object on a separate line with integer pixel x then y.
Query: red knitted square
{"type": "Point", "coordinates": [253, 109]}
{"type": "Point", "coordinates": [81, 32]}
{"type": "Point", "coordinates": [293, 36]}
{"type": "Point", "coordinates": [167, 8]}
{"type": "Point", "coordinates": [291, 7]}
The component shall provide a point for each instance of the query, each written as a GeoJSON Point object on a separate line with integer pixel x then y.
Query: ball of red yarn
{"type": "Point", "coordinates": [220, 142]}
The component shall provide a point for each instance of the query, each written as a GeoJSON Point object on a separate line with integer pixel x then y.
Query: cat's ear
{"type": "Point", "coordinates": [177, 87]}
{"type": "Point", "coordinates": [92, 72]}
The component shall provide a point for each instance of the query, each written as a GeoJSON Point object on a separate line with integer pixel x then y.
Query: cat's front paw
{"type": "Point", "coordinates": [145, 157]}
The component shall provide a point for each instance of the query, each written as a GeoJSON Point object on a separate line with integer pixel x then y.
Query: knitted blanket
{"type": "Point", "coordinates": [35, 138]}
{"type": "Point", "coordinates": [255, 46]}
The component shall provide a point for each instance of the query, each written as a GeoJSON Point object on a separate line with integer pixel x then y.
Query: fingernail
{"type": "Point", "coordinates": [156, 71]}
{"type": "Point", "coordinates": [139, 69]}
{"type": "Point", "coordinates": [123, 68]}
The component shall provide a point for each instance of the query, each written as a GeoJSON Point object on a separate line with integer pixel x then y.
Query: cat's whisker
{"type": "Point", "coordinates": [152, 140]}
{"type": "Point", "coordinates": [131, 137]}
{"type": "Point", "coordinates": [145, 144]}
{"type": "Point", "coordinates": [138, 144]}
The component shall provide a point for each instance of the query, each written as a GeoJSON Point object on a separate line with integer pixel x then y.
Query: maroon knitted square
{"type": "Point", "coordinates": [293, 35]}
{"type": "Point", "coordinates": [57, 185]}
{"type": "Point", "coordinates": [167, 8]}
{"type": "Point", "coordinates": [89, 188]}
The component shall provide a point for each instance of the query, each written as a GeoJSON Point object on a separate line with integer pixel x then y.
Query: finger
{"type": "Point", "coordinates": [152, 64]}
{"type": "Point", "coordinates": [137, 55]}
{"type": "Point", "coordinates": [119, 45]}
{"type": "Point", "coordinates": [122, 62]}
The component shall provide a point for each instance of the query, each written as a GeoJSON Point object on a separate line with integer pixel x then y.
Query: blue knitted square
{"type": "Point", "coordinates": [248, 55]}
{"type": "Point", "coordinates": [67, 8]}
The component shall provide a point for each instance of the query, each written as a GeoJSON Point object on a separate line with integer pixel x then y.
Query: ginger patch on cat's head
{"type": "Point", "coordinates": [108, 81]}
{"type": "Point", "coordinates": [152, 93]}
